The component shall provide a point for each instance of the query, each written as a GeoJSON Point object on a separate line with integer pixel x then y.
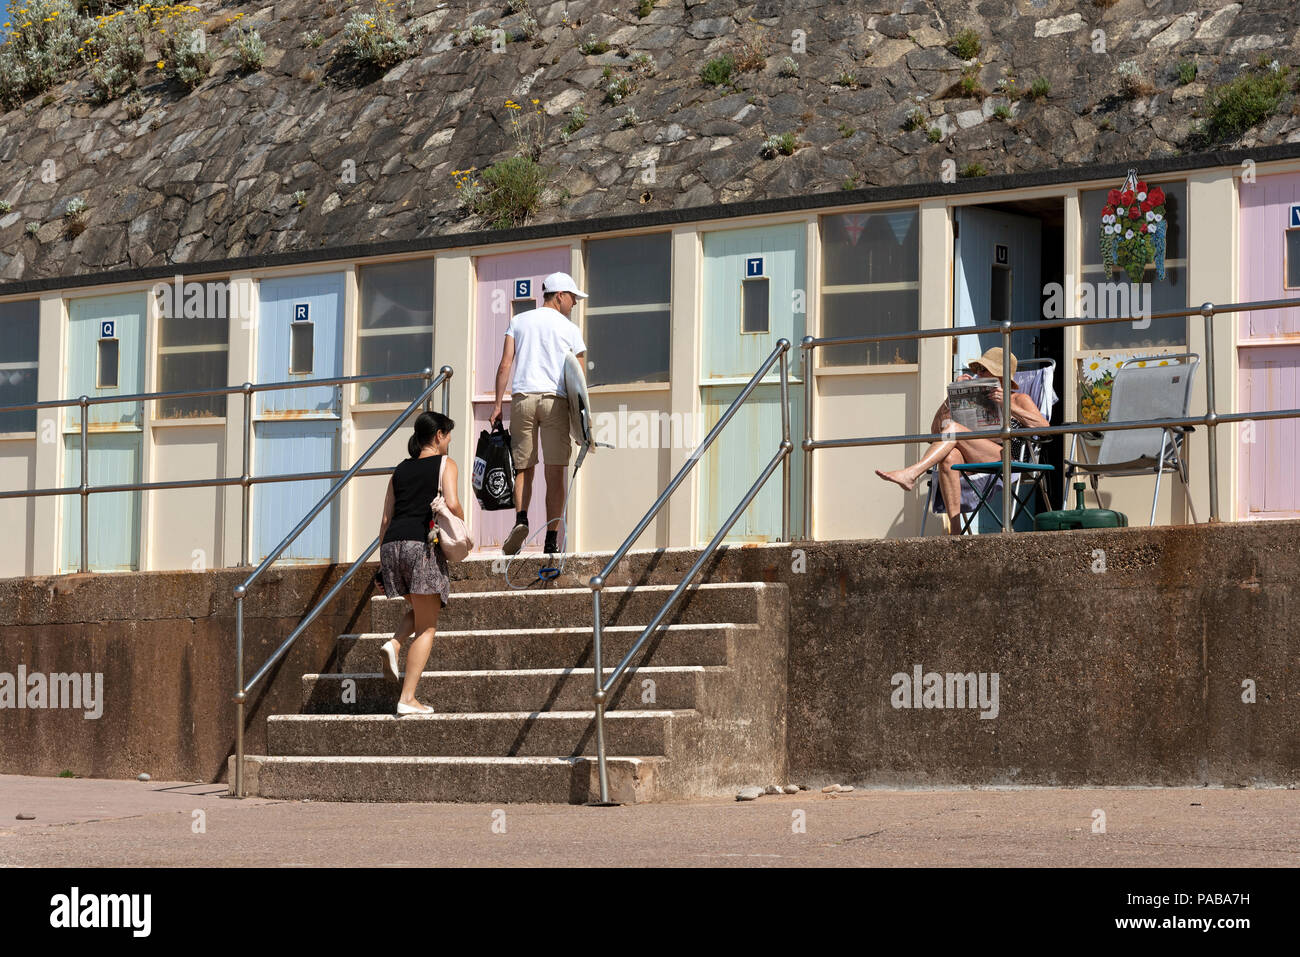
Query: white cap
{"type": "Point", "coordinates": [561, 282]}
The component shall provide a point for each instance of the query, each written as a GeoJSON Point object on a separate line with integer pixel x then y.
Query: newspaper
{"type": "Point", "coordinates": [970, 403]}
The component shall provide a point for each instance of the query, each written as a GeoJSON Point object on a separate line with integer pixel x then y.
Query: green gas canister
{"type": "Point", "coordinates": [1079, 517]}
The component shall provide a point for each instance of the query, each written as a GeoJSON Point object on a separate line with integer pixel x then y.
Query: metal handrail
{"type": "Point", "coordinates": [246, 480]}
{"type": "Point", "coordinates": [241, 590]}
{"type": "Point", "coordinates": [1211, 419]}
{"type": "Point", "coordinates": [597, 583]}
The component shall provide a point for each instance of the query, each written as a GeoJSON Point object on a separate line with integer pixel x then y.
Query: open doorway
{"type": "Point", "coordinates": [1006, 255]}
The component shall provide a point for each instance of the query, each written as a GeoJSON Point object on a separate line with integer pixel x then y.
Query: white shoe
{"type": "Point", "coordinates": [389, 648]}
{"type": "Point", "coordinates": [515, 540]}
{"type": "Point", "coordinates": [410, 709]}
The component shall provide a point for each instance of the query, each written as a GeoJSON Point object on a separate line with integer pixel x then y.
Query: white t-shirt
{"type": "Point", "coordinates": [542, 337]}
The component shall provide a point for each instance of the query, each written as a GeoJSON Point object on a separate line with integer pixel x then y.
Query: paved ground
{"type": "Point", "coordinates": [110, 823]}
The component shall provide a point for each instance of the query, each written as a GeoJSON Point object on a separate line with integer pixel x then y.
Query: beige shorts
{"type": "Point", "coordinates": [534, 412]}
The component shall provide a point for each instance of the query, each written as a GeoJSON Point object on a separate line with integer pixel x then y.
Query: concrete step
{"type": "Point", "coordinates": [550, 780]}
{"type": "Point", "coordinates": [570, 607]}
{"type": "Point", "coordinates": [516, 648]}
{"type": "Point", "coordinates": [533, 689]}
{"type": "Point", "coordinates": [517, 733]}
{"type": "Point", "coordinates": [664, 566]}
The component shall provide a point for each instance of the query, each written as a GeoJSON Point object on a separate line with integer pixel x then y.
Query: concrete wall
{"type": "Point", "coordinates": [164, 643]}
{"type": "Point", "coordinates": [1131, 675]}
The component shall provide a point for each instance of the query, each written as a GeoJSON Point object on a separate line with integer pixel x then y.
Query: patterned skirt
{"type": "Point", "coordinates": [414, 568]}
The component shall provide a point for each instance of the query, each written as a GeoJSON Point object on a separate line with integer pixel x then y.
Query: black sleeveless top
{"type": "Point", "coordinates": [415, 484]}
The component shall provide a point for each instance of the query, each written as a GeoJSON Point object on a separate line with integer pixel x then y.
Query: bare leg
{"type": "Point", "coordinates": [427, 608]}
{"type": "Point", "coordinates": [404, 629]}
{"type": "Point", "coordinates": [950, 485]}
{"type": "Point", "coordinates": [523, 487]}
{"type": "Point", "coordinates": [936, 453]}
{"type": "Point", "coordinates": [406, 626]}
{"type": "Point", "coordinates": [554, 494]}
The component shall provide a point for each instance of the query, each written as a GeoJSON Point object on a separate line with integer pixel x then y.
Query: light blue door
{"type": "Point", "coordinates": [754, 293]}
{"type": "Point", "coordinates": [996, 275]}
{"type": "Point", "coordinates": [997, 270]}
{"type": "Point", "coordinates": [105, 356]}
{"type": "Point", "coordinates": [299, 337]}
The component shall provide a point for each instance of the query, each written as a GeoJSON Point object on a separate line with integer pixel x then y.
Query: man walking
{"type": "Point", "coordinates": [535, 345]}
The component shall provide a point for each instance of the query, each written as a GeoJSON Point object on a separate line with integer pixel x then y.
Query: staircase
{"type": "Point", "coordinates": [702, 710]}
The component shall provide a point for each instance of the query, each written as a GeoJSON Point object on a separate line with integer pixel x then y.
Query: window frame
{"type": "Point", "coordinates": [1087, 270]}
{"type": "Point", "coordinates": [767, 306]}
{"type": "Point", "coordinates": [424, 264]}
{"type": "Point", "coordinates": [826, 289]}
{"type": "Point", "coordinates": [164, 406]}
{"type": "Point", "coordinates": [663, 307]}
{"type": "Point", "coordinates": [1286, 257]}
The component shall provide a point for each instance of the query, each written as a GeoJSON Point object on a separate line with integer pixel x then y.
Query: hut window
{"type": "Point", "coordinates": [629, 312]}
{"type": "Point", "coordinates": [870, 283]}
{"type": "Point", "coordinates": [396, 328]}
{"type": "Point", "coordinates": [19, 351]}
{"type": "Point", "coordinates": [1166, 295]}
{"type": "Point", "coordinates": [194, 347]}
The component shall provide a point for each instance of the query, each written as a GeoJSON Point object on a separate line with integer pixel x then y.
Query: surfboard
{"type": "Point", "coordinates": [575, 387]}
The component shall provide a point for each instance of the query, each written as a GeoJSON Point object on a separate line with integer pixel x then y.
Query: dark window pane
{"type": "Point", "coordinates": [628, 317]}
{"type": "Point", "coordinates": [106, 374]}
{"type": "Point", "coordinates": [301, 339]}
{"type": "Point", "coordinates": [1167, 294]}
{"type": "Point", "coordinates": [865, 257]}
{"type": "Point", "coordinates": [632, 347]}
{"type": "Point", "coordinates": [393, 352]}
{"type": "Point", "coordinates": [871, 247]}
{"type": "Point", "coordinates": [1293, 258]}
{"type": "Point", "coordinates": [755, 302]}
{"type": "Point", "coordinates": [883, 313]}
{"type": "Point", "coordinates": [397, 297]}
{"type": "Point", "coordinates": [1000, 295]}
{"type": "Point", "coordinates": [522, 305]}
{"type": "Point", "coordinates": [179, 371]}
{"type": "Point", "coordinates": [19, 347]}
{"type": "Point", "coordinates": [199, 322]}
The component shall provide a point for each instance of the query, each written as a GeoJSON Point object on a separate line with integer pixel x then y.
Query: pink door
{"type": "Point", "coordinates": [1268, 348]}
{"type": "Point", "coordinates": [508, 283]}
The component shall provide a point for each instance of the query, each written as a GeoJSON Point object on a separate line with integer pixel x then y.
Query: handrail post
{"type": "Point", "coordinates": [1211, 415]}
{"type": "Point", "coordinates": [240, 694]}
{"type": "Point", "coordinates": [85, 486]}
{"type": "Point", "coordinates": [807, 348]}
{"type": "Point", "coordinates": [598, 698]}
{"type": "Point", "coordinates": [446, 371]}
{"type": "Point", "coordinates": [245, 476]}
{"type": "Point", "coordinates": [786, 445]}
{"type": "Point", "coordinates": [1006, 427]}
{"type": "Point", "coordinates": [428, 378]}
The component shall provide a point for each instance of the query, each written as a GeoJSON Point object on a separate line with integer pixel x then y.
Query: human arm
{"type": "Point", "coordinates": [503, 374]}
{"type": "Point", "coordinates": [387, 517]}
{"type": "Point", "coordinates": [1023, 409]}
{"type": "Point", "coordinates": [450, 496]}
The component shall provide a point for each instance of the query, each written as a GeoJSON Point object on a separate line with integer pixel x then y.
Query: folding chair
{"type": "Point", "coordinates": [1143, 389]}
{"type": "Point", "coordinates": [980, 480]}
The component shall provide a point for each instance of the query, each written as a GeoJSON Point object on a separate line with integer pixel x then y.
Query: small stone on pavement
{"type": "Point", "coordinates": [751, 793]}
{"type": "Point", "coordinates": [24, 816]}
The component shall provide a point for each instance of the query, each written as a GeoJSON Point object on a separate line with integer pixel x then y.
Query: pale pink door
{"type": "Point", "coordinates": [508, 283]}
{"type": "Point", "coordinates": [1268, 349]}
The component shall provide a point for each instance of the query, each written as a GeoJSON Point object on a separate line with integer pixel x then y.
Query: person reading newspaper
{"type": "Point", "coordinates": [949, 452]}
